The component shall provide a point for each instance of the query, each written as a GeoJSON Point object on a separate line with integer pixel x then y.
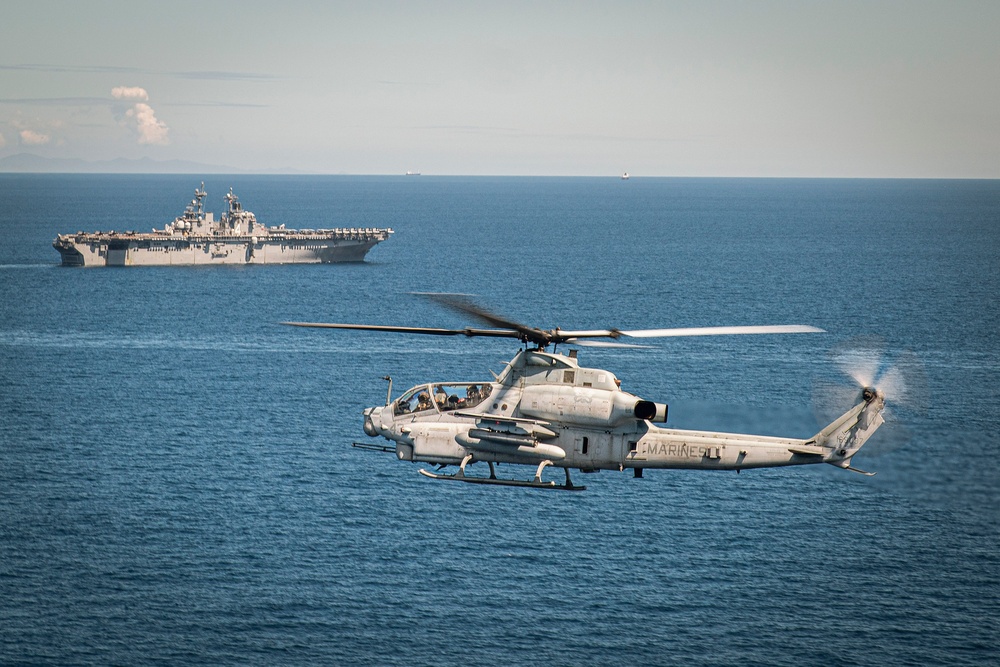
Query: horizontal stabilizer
{"type": "Point", "coordinates": [809, 450]}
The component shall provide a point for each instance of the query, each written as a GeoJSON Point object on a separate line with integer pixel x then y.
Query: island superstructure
{"type": "Point", "coordinates": [197, 238]}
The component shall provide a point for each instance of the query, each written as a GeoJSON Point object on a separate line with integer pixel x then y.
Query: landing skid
{"type": "Point", "coordinates": [536, 483]}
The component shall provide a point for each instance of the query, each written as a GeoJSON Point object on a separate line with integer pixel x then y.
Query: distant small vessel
{"type": "Point", "coordinates": [413, 173]}
{"type": "Point", "coordinates": [197, 238]}
{"type": "Point", "coordinates": [625, 176]}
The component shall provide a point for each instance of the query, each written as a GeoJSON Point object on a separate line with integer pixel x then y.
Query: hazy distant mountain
{"type": "Point", "coordinates": [28, 163]}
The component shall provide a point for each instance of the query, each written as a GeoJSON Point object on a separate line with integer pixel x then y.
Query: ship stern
{"type": "Point", "coordinates": [71, 255]}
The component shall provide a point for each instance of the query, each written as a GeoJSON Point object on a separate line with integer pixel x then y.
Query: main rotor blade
{"type": "Point", "coordinates": [461, 303]}
{"type": "Point", "coordinates": [587, 342]}
{"type": "Point", "coordinates": [491, 333]}
{"type": "Point", "coordinates": [722, 331]}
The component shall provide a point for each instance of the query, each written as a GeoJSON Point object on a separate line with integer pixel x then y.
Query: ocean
{"type": "Point", "coordinates": [178, 485]}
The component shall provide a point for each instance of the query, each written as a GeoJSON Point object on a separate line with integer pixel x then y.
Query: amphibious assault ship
{"type": "Point", "coordinates": [197, 238]}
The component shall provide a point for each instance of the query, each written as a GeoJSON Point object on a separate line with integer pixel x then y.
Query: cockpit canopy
{"type": "Point", "coordinates": [442, 397]}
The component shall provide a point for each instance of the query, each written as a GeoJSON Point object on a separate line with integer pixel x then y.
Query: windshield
{"type": "Point", "coordinates": [460, 395]}
{"type": "Point", "coordinates": [442, 396]}
{"type": "Point", "coordinates": [417, 399]}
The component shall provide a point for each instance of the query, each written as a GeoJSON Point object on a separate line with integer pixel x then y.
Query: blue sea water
{"type": "Point", "coordinates": [177, 484]}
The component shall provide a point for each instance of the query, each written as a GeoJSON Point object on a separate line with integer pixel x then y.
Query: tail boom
{"type": "Point", "coordinates": [835, 444]}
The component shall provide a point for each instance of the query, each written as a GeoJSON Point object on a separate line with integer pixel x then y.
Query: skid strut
{"type": "Point", "coordinates": [536, 483]}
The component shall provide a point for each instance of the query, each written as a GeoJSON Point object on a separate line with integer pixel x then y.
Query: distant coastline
{"type": "Point", "coordinates": [28, 163]}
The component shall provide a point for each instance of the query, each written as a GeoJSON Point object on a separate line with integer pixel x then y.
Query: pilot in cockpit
{"type": "Point", "coordinates": [441, 397]}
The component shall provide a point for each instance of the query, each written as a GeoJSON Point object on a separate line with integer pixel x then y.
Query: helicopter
{"type": "Point", "coordinates": [545, 409]}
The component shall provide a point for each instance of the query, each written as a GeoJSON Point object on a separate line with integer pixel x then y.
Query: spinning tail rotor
{"type": "Point", "coordinates": [869, 371]}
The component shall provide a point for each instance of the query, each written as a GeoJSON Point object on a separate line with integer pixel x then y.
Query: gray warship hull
{"type": "Point", "coordinates": [197, 238]}
{"type": "Point", "coordinates": [147, 250]}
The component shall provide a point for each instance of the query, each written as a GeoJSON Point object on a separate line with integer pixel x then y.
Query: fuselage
{"type": "Point", "coordinates": [546, 407]}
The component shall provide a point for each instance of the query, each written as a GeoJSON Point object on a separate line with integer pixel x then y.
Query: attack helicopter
{"type": "Point", "coordinates": [545, 409]}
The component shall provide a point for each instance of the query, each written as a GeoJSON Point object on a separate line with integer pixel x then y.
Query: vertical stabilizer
{"type": "Point", "coordinates": [848, 433]}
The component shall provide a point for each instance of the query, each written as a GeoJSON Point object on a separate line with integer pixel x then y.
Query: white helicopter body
{"type": "Point", "coordinates": [545, 409]}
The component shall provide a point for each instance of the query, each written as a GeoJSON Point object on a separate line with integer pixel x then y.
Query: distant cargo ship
{"type": "Point", "coordinates": [196, 238]}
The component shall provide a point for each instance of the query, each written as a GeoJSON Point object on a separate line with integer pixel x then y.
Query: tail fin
{"type": "Point", "coordinates": [849, 432]}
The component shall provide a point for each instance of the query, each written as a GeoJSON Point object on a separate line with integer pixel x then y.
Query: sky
{"type": "Point", "coordinates": [901, 89]}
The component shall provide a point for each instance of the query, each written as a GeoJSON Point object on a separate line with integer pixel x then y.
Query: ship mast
{"type": "Point", "coordinates": [199, 194]}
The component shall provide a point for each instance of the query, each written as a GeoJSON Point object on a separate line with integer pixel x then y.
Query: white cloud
{"type": "Point", "coordinates": [140, 116]}
{"type": "Point", "coordinates": [151, 130]}
{"type": "Point", "coordinates": [129, 93]}
{"type": "Point", "coordinates": [32, 138]}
